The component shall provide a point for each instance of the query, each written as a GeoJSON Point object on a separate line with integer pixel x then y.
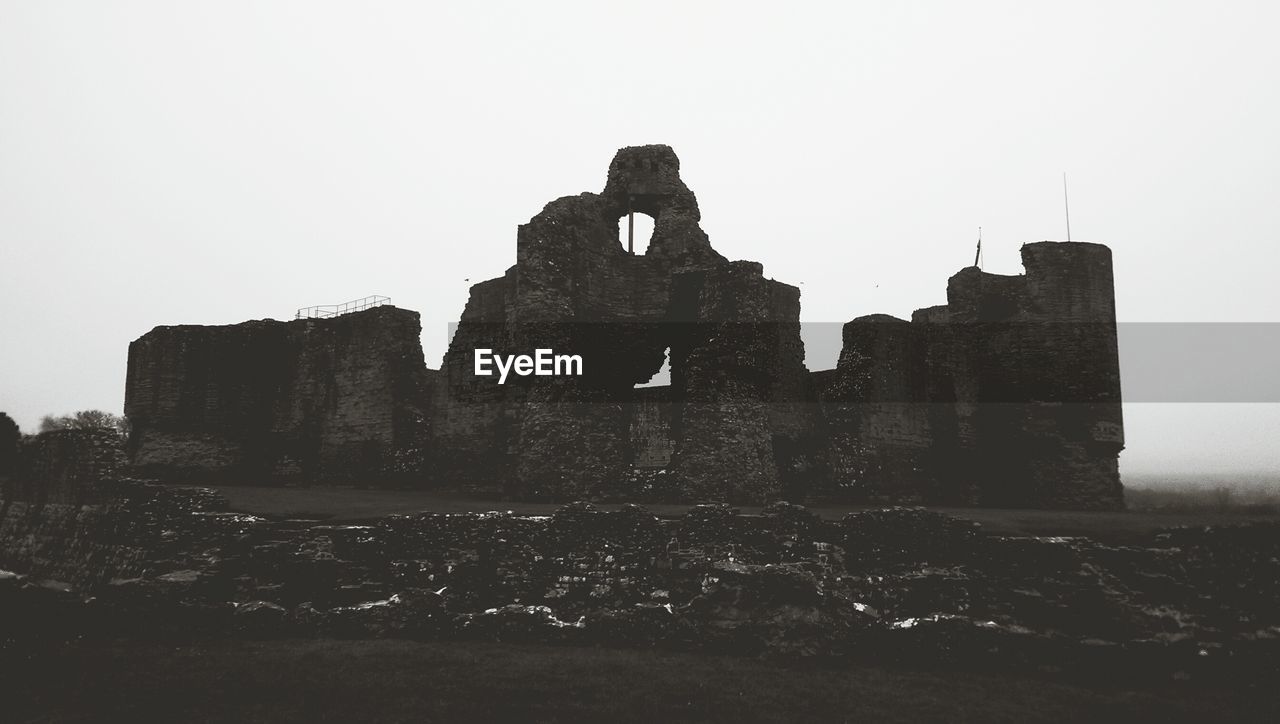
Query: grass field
{"type": "Point", "coordinates": [352, 504]}
{"type": "Point", "coordinates": [401, 681]}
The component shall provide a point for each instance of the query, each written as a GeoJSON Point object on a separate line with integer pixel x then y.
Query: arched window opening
{"type": "Point", "coordinates": [639, 235]}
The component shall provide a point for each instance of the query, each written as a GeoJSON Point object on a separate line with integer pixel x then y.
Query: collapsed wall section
{"type": "Point", "coordinates": [899, 584]}
{"type": "Point", "coordinates": [878, 416]}
{"type": "Point", "coordinates": [471, 433]}
{"type": "Point", "coordinates": [343, 398]}
{"type": "Point", "coordinates": [62, 466]}
{"type": "Point", "coordinates": [1007, 396]}
{"type": "Point", "coordinates": [63, 517]}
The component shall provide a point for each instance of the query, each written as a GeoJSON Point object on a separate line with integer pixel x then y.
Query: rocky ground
{"type": "Point", "coordinates": [902, 586]}
{"type": "Point", "coordinates": [352, 504]}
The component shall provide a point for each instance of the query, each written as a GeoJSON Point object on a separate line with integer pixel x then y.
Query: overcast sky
{"type": "Point", "coordinates": [211, 162]}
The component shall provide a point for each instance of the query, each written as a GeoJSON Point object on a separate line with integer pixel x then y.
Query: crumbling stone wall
{"type": "Point", "coordinates": [577, 290]}
{"type": "Point", "coordinates": [738, 356]}
{"type": "Point", "coordinates": [472, 438]}
{"type": "Point", "coordinates": [343, 398]}
{"type": "Point", "coordinates": [877, 410]}
{"type": "Point", "coordinates": [1036, 358]}
{"type": "Point", "coordinates": [650, 428]}
{"type": "Point", "coordinates": [62, 466]}
{"type": "Point", "coordinates": [1007, 396]}
{"type": "Point", "coordinates": [57, 519]}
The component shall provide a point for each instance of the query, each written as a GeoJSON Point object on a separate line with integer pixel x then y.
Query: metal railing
{"type": "Point", "coordinates": [322, 311]}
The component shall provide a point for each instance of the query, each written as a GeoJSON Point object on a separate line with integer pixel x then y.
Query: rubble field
{"type": "Point", "coordinates": [889, 586]}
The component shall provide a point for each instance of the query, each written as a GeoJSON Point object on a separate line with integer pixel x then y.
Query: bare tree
{"type": "Point", "coordinates": [86, 420]}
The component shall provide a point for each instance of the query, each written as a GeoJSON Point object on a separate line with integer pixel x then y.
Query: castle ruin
{"type": "Point", "coordinates": [1008, 395]}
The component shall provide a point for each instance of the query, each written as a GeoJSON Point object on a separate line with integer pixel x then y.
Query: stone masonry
{"type": "Point", "coordinates": [1007, 395]}
{"type": "Point", "coordinates": [339, 399]}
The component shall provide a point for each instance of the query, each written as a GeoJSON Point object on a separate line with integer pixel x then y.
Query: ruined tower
{"type": "Point", "coordinates": [1009, 395]}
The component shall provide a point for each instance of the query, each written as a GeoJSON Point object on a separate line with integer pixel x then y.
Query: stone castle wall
{"type": "Point", "coordinates": [1007, 395]}
{"type": "Point", "coordinates": [344, 398]}
{"type": "Point", "coordinates": [62, 517]}
{"type": "Point", "coordinates": [62, 466]}
{"type": "Point", "coordinates": [731, 334]}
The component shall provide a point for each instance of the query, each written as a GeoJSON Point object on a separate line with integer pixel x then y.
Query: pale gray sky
{"type": "Point", "coordinates": [210, 162]}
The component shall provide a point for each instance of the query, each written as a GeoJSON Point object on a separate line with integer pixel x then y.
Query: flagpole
{"type": "Point", "coordinates": [1066, 206]}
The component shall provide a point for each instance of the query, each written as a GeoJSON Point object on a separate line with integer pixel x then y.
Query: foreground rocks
{"type": "Point", "coordinates": [894, 584]}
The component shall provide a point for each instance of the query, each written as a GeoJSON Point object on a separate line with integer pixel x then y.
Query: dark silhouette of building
{"type": "Point", "coordinates": [1007, 395]}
